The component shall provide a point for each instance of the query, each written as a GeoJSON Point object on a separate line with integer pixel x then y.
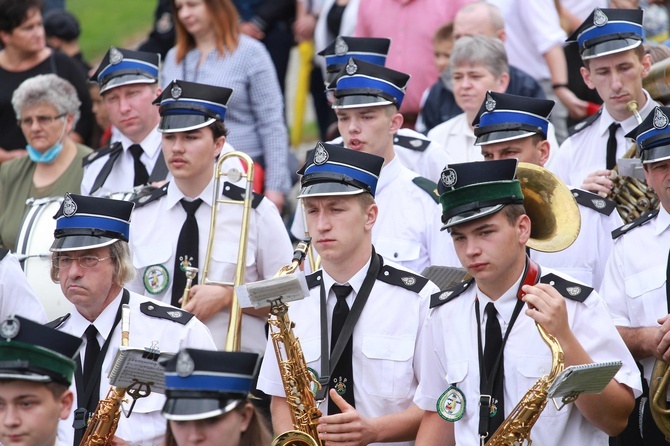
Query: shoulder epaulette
{"type": "Point", "coordinates": [569, 290]}
{"type": "Point", "coordinates": [314, 279]}
{"type": "Point", "coordinates": [154, 195]}
{"type": "Point", "coordinates": [585, 123]}
{"type": "Point", "coordinates": [634, 224]}
{"type": "Point", "coordinates": [401, 278]}
{"type": "Point", "coordinates": [3, 253]}
{"type": "Point", "coordinates": [57, 322]}
{"type": "Point", "coordinates": [411, 143]}
{"type": "Point", "coordinates": [444, 296]}
{"type": "Point", "coordinates": [428, 186]}
{"type": "Point", "coordinates": [237, 193]}
{"type": "Point", "coordinates": [107, 150]}
{"type": "Point", "coordinates": [170, 313]}
{"type": "Point", "coordinates": [594, 201]}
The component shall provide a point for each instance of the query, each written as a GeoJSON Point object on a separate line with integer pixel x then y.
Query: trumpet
{"type": "Point", "coordinates": [234, 175]}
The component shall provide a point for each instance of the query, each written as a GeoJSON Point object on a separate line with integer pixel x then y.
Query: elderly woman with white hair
{"type": "Point", "coordinates": [47, 108]}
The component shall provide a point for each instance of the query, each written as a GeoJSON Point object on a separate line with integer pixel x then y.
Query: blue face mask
{"type": "Point", "coordinates": [47, 157]}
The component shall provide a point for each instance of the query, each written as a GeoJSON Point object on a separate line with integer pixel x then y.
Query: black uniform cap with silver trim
{"type": "Point", "coordinates": [186, 106]}
{"type": "Point", "coordinates": [653, 136]}
{"type": "Point", "coordinates": [368, 49]}
{"type": "Point", "coordinates": [609, 31]}
{"type": "Point", "coordinates": [201, 384]}
{"type": "Point", "coordinates": [126, 67]}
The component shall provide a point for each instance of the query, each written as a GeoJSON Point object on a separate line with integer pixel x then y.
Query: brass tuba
{"type": "Point", "coordinates": [102, 425]}
{"type": "Point", "coordinates": [298, 380]}
{"type": "Point", "coordinates": [632, 196]}
{"type": "Point", "coordinates": [555, 224]}
{"type": "Point", "coordinates": [234, 175]}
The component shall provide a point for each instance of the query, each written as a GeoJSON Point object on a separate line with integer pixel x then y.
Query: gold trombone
{"type": "Point", "coordinates": [234, 175]}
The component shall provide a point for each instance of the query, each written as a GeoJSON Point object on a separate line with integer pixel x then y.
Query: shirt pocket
{"type": "Point", "coordinates": [148, 255]}
{"type": "Point", "coordinates": [457, 374]}
{"type": "Point", "coordinates": [643, 289]}
{"type": "Point", "coordinates": [398, 250]}
{"type": "Point", "coordinates": [531, 369]}
{"type": "Point", "coordinates": [224, 261]}
{"type": "Point", "coordinates": [153, 263]}
{"type": "Point", "coordinates": [387, 369]}
{"type": "Point", "coordinates": [311, 350]}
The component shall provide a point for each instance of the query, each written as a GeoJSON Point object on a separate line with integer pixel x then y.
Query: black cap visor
{"type": "Point", "coordinates": [504, 135]}
{"type": "Point", "coordinates": [178, 408]}
{"type": "Point", "coordinates": [361, 100]}
{"type": "Point", "coordinates": [79, 242]}
{"type": "Point", "coordinates": [595, 48]}
{"type": "Point", "coordinates": [655, 154]}
{"type": "Point", "coordinates": [183, 123]}
{"type": "Point", "coordinates": [127, 79]}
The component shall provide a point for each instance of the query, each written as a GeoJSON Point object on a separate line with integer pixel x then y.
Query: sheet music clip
{"type": "Point", "coordinates": [586, 378]}
{"type": "Point", "coordinates": [152, 352]}
{"type": "Point", "coordinates": [261, 294]}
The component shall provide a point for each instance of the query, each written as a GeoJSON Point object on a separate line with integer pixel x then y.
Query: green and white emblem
{"type": "Point", "coordinates": [451, 404]}
{"type": "Point", "coordinates": [156, 279]}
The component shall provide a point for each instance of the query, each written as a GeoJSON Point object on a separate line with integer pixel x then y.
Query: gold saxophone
{"type": "Point", "coordinates": [298, 380]}
{"type": "Point", "coordinates": [102, 425]}
{"type": "Point", "coordinates": [516, 427]}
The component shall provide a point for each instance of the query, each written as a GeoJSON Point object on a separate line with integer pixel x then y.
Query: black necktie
{"type": "Point", "coordinates": [92, 353]}
{"type": "Point", "coordinates": [342, 376]}
{"type": "Point", "coordinates": [187, 250]}
{"type": "Point", "coordinates": [612, 146]}
{"type": "Point", "coordinates": [141, 174]}
{"type": "Point", "coordinates": [491, 352]}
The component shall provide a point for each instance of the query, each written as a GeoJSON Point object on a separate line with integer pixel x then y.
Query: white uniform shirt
{"type": "Point", "coordinates": [16, 295]}
{"type": "Point", "coordinates": [384, 341]}
{"type": "Point", "coordinates": [146, 425]}
{"type": "Point", "coordinates": [586, 150]}
{"type": "Point", "coordinates": [121, 177]}
{"type": "Point", "coordinates": [448, 355]}
{"type": "Point", "coordinates": [531, 28]}
{"type": "Point", "coordinates": [585, 258]}
{"type": "Point", "coordinates": [635, 276]}
{"type": "Point", "coordinates": [154, 234]}
{"type": "Point", "coordinates": [458, 139]}
{"type": "Point", "coordinates": [408, 225]}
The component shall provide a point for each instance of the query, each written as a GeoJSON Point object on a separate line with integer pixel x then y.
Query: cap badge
{"type": "Point", "coordinates": [490, 103]}
{"type": "Point", "coordinates": [115, 56]}
{"type": "Point", "coordinates": [69, 206]}
{"type": "Point", "coordinates": [660, 120]}
{"type": "Point", "coordinates": [175, 92]}
{"type": "Point", "coordinates": [451, 404]}
{"type": "Point", "coordinates": [185, 365]}
{"type": "Point", "coordinates": [599, 18]}
{"type": "Point", "coordinates": [448, 177]}
{"type": "Point", "coordinates": [351, 68]}
{"type": "Point", "coordinates": [9, 328]}
{"type": "Point", "coordinates": [341, 47]}
{"type": "Point", "coordinates": [320, 155]}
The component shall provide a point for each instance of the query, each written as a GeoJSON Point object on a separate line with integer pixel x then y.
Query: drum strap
{"type": "Point", "coordinates": [3, 253]}
{"type": "Point", "coordinates": [107, 168]}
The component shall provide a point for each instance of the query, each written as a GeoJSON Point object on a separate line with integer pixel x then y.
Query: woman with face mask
{"type": "Point", "coordinates": [47, 108]}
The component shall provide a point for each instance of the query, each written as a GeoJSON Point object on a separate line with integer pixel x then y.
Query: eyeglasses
{"type": "Point", "coordinates": [41, 120]}
{"type": "Point", "coordinates": [64, 262]}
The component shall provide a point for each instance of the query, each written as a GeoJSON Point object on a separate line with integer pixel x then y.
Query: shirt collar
{"type": "Point", "coordinates": [103, 323]}
{"type": "Point", "coordinates": [504, 304]}
{"type": "Point", "coordinates": [628, 124]}
{"type": "Point", "coordinates": [356, 280]}
{"type": "Point", "coordinates": [389, 172]}
{"type": "Point", "coordinates": [174, 194]}
{"type": "Point", "coordinates": [150, 145]}
{"type": "Point", "coordinates": [662, 221]}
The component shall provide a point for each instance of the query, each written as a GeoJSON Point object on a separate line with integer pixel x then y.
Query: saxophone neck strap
{"type": "Point", "coordinates": [81, 414]}
{"type": "Point", "coordinates": [328, 361]}
{"type": "Point", "coordinates": [531, 275]}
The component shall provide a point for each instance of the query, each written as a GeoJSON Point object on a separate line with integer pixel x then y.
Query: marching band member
{"type": "Point", "coordinates": [91, 261]}
{"type": "Point", "coordinates": [372, 382]}
{"type": "Point", "coordinates": [207, 400]}
{"type": "Point", "coordinates": [36, 368]}
{"type": "Point", "coordinates": [171, 226]}
{"type": "Point", "coordinates": [610, 44]}
{"type": "Point", "coordinates": [510, 126]}
{"type": "Point", "coordinates": [128, 84]}
{"type": "Point", "coordinates": [484, 213]}
{"type": "Point", "coordinates": [635, 282]}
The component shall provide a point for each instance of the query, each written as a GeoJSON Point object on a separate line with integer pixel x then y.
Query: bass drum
{"type": "Point", "coordinates": [32, 249]}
